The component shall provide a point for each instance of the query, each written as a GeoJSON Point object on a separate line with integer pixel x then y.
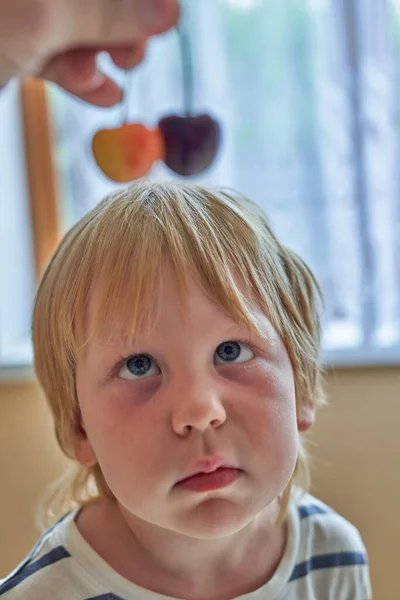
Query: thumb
{"type": "Point", "coordinates": [109, 22]}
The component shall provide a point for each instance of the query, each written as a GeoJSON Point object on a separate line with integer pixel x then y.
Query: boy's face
{"type": "Point", "coordinates": [180, 393]}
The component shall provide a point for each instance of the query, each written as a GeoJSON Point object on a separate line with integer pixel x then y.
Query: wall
{"type": "Point", "coordinates": [29, 459]}
{"type": "Point", "coordinates": [357, 451]}
{"type": "Point", "coordinates": [356, 442]}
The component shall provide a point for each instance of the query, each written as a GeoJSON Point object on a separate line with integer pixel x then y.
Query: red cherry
{"type": "Point", "coordinates": [190, 142]}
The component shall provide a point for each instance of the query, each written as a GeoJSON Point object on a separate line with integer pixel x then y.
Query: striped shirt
{"type": "Point", "coordinates": [324, 559]}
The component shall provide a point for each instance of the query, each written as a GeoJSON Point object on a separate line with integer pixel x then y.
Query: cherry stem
{"type": "Point", "coordinates": [187, 78]}
{"type": "Point", "coordinates": [187, 70]}
{"type": "Point", "coordinates": [128, 83]}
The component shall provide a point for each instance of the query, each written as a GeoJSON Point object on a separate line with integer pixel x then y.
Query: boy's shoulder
{"type": "Point", "coordinates": [330, 552]}
{"type": "Point", "coordinates": [47, 570]}
{"type": "Point", "coordinates": [325, 528]}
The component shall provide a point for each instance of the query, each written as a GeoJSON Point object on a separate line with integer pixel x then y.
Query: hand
{"type": "Point", "coordinates": [60, 40]}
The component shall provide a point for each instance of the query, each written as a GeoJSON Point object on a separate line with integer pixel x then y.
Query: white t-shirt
{"type": "Point", "coordinates": [324, 559]}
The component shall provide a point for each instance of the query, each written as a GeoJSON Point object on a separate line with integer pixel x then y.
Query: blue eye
{"type": "Point", "coordinates": [233, 352]}
{"type": "Point", "coordinates": [138, 366]}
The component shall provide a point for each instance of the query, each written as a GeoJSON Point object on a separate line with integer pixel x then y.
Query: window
{"type": "Point", "coordinates": [307, 93]}
{"type": "Point", "coordinates": [17, 280]}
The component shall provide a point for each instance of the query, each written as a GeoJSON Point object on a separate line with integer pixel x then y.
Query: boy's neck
{"type": "Point", "coordinates": [179, 566]}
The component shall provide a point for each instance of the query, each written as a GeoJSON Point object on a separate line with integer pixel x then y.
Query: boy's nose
{"type": "Point", "coordinates": [197, 405]}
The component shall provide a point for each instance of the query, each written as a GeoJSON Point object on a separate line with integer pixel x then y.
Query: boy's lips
{"type": "Point", "coordinates": [207, 464]}
{"type": "Point", "coordinates": [207, 482]}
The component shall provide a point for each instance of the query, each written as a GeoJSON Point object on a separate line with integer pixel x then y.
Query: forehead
{"type": "Point", "coordinates": [170, 310]}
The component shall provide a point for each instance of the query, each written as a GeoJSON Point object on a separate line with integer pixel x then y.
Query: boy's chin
{"type": "Point", "coordinates": [214, 518]}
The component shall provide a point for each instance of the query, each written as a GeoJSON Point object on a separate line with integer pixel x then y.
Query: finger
{"type": "Point", "coordinates": [75, 69]}
{"type": "Point", "coordinates": [106, 95]}
{"type": "Point", "coordinates": [120, 22]}
{"type": "Point", "coordinates": [78, 74]}
{"type": "Point", "coordinates": [128, 57]}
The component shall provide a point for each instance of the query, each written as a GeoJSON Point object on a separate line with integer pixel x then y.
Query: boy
{"type": "Point", "coordinates": [177, 344]}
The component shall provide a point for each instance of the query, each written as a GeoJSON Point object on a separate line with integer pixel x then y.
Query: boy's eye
{"type": "Point", "coordinates": [233, 352]}
{"type": "Point", "coordinates": [138, 366]}
{"type": "Point", "coordinates": [141, 366]}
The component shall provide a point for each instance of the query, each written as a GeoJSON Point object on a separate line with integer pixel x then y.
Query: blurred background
{"type": "Point", "coordinates": [308, 96]}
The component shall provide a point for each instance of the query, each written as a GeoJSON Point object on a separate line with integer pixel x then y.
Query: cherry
{"type": "Point", "coordinates": [127, 152]}
{"type": "Point", "coordinates": [190, 142]}
{"type": "Point", "coordinates": [186, 143]}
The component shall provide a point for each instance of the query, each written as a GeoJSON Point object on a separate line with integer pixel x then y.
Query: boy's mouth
{"type": "Point", "coordinates": [206, 465]}
{"type": "Point", "coordinates": [207, 482]}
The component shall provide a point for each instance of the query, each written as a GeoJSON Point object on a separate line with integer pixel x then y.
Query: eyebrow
{"type": "Point", "coordinates": [266, 331]}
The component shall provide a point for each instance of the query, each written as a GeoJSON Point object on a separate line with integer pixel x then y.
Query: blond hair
{"type": "Point", "coordinates": [222, 239]}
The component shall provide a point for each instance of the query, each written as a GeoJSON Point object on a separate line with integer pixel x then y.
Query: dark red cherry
{"type": "Point", "coordinates": [191, 142]}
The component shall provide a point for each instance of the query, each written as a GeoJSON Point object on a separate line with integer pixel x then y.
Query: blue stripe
{"type": "Point", "coordinates": [34, 550]}
{"type": "Point", "coordinates": [105, 597]}
{"type": "Point", "coordinates": [48, 559]}
{"type": "Point", "coordinates": [313, 509]}
{"type": "Point", "coordinates": [328, 561]}
{"type": "Point", "coordinates": [43, 538]}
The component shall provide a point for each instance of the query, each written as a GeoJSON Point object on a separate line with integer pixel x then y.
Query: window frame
{"type": "Point", "coordinates": [41, 173]}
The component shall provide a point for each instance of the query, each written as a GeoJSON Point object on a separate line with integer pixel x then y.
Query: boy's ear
{"type": "Point", "coordinates": [82, 448]}
{"type": "Point", "coordinates": [306, 416]}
